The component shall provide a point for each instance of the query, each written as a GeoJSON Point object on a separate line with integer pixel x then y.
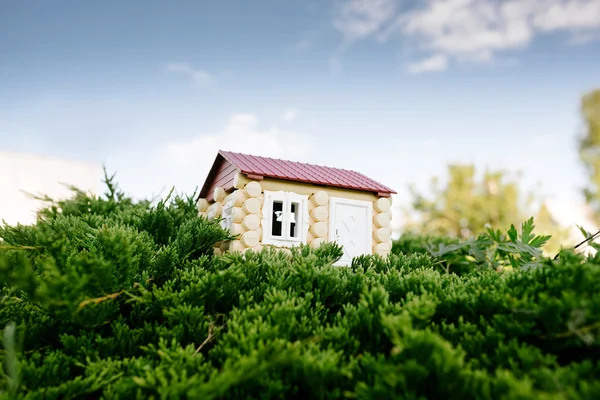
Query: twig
{"type": "Point", "coordinates": [208, 338]}
{"type": "Point", "coordinates": [8, 247]}
{"type": "Point", "coordinates": [590, 238]}
{"type": "Point", "coordinates": [581, 243]}
{"type": "Point", "coordinates": [583, 329]}
{"type": "Point", "coordinates": [98, 300]}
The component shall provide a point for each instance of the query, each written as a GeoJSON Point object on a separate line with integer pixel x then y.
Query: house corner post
{"type": "Point", "coordinates": [382, 232]}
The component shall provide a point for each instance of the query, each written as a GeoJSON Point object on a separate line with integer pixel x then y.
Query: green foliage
{"type": "Point", "coordinates": [467, 206]}
{"type": "Point", "coordinates": [492, 249]}
{"type": "Point", "coordinates": [589, 146]}
{"type": "Point", "coordinates": [115, 299]}
{"type": "Point", "coordinates": [411, 242]}
{"type": "Point", "coordinates": [559, 236]}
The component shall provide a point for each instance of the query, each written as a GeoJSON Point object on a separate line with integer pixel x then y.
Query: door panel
{"type": "Point", "coordinates": [351, 227]}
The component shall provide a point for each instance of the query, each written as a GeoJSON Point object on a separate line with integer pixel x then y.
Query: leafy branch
{"type": "Point", "coordinates": [494, 249]}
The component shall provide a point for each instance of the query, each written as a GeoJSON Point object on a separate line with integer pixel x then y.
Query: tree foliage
{"type": "Point", "coordinates": [466, 206]}
{"type": "Point", "coordinates": [559, 236]}
{"type": "Point", "coordinates": [589, 146]}
{"type": "Point", "coordinates": [109, 298]}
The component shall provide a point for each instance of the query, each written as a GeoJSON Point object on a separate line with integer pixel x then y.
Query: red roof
{"type": "Point", "coordinates": [299, 172]}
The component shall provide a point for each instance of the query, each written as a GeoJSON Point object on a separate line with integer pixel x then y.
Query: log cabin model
{"type": "Point", "coordinates": [272, 202]}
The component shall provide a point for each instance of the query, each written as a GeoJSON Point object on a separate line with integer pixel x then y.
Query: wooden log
{"type": "Point", "coordinates": [381, 220]}
{"type": "Point", "coordinates": [317, 242]}
{"type": "Point", "coordinates": [217, 251]}
{"type": "Point", "coordinates": [237, 229]}
{"type": "Point", "coordinates": [214, 210]}
{"type": "Point", "coordinates": [252, 189]}
{"type": "Point", "coordinates": [319, 229]}
{"type": "Point", "coordinates": [319, 213]}
{"type": "Point", "coordinates": [236, 246]}
{"type": "Point", "coordinates": [238, 197]}
{"type": "Point", "coordinates": [238, 214]}
{"type": "Point", "coordinates": [382, 205]}
{"type": "Point", "coordinates": [240, 180]}
{"type": "Point", "coordinates": [382, 246]}
{"type": "Point", "coordinates": [382, 235]}
{"type": "Point", "coordinates": [320, 198]}
{"type": "Point", "coordinates": [251, 222]}
{"type": "Point", "coordinates": [260, 233]}
{"type": "Point", "coordinates": [202, 214]}
{"type": "Point", "coordinates": [255, 249]}
{"type": "Point", "coordinates": [261, 198]}
{"type": "Point", "coordinates": [250, 239]}
{"type": "Point", "coordinates": [202, 205]}
{"type": "Point", "coordinates": [383, 252]}
{"type": "Point", "coordinates": [309, 237]}
{"type": "Point", "coordinates": [219, 194]}
{"type": "Point", "coordinates": [251, 206]}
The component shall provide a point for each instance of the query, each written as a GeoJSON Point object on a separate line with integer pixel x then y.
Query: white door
{"type": "Point", "coordinates": [350, 225]}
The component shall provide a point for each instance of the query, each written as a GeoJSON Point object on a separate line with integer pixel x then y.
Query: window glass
{"type": "Point", "coordinates": [294, 220]}
{"type": "Point", "coordinates": [277, 219]}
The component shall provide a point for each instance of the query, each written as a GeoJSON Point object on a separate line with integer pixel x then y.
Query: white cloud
{"type": "Point", "coordinates": [360, 18]}
{"type": "Point", "coordinates": [569, 15]}
{"type": "Point", "coordinates": [469, 26]}
{"type": "Point", "coordinates": [242, 134]}
{"type": "Point", "coordinates": [357, 19]}
{"type": "Point", "coordinates": [289, 115]}
{"type": "Point", "coordinates": [198, 76]}
{"type": "Point", "coordinates": [151, 169]}
{"type": "Point", "coordinates": [438, 62]}
{"type": "Point", "coordinates": [25, 174]}
{"type": "Point", "coordinates": [474, 30]}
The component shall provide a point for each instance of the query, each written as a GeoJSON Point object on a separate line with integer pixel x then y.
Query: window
{"type": "Point", "coordinates": [227, 215]}
{"type": "Point", "coordinates": [285, 218]}
{"type": "Point", "coordinates": [277, 219]}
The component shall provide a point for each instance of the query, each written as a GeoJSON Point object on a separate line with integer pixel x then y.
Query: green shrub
{"type": "Point", "coordinates": [492, 249]}
{"type": "Point", "coordinates": [410, 243]}
{"type": "Point", "coordinates": [109, 298]}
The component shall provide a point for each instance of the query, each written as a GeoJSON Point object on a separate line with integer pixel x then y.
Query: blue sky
{"type": "Point", "coordinates": [394, 89]}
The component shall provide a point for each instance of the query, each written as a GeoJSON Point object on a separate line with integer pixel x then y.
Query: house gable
{"type": "Point", "coordinates": [221, 175]}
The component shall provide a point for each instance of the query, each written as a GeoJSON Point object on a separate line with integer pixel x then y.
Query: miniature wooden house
{"type": "Point", "coordinates": [270, 202]}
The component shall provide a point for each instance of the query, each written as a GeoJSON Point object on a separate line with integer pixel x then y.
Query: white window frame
{"type": "Point", "coordinates": [227, 215]}
{"type": "Point", "coordinates": [287, 198]}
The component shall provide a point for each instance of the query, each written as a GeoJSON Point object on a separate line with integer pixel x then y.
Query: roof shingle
{"type": "Point", "coordinates": [302, 172]}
